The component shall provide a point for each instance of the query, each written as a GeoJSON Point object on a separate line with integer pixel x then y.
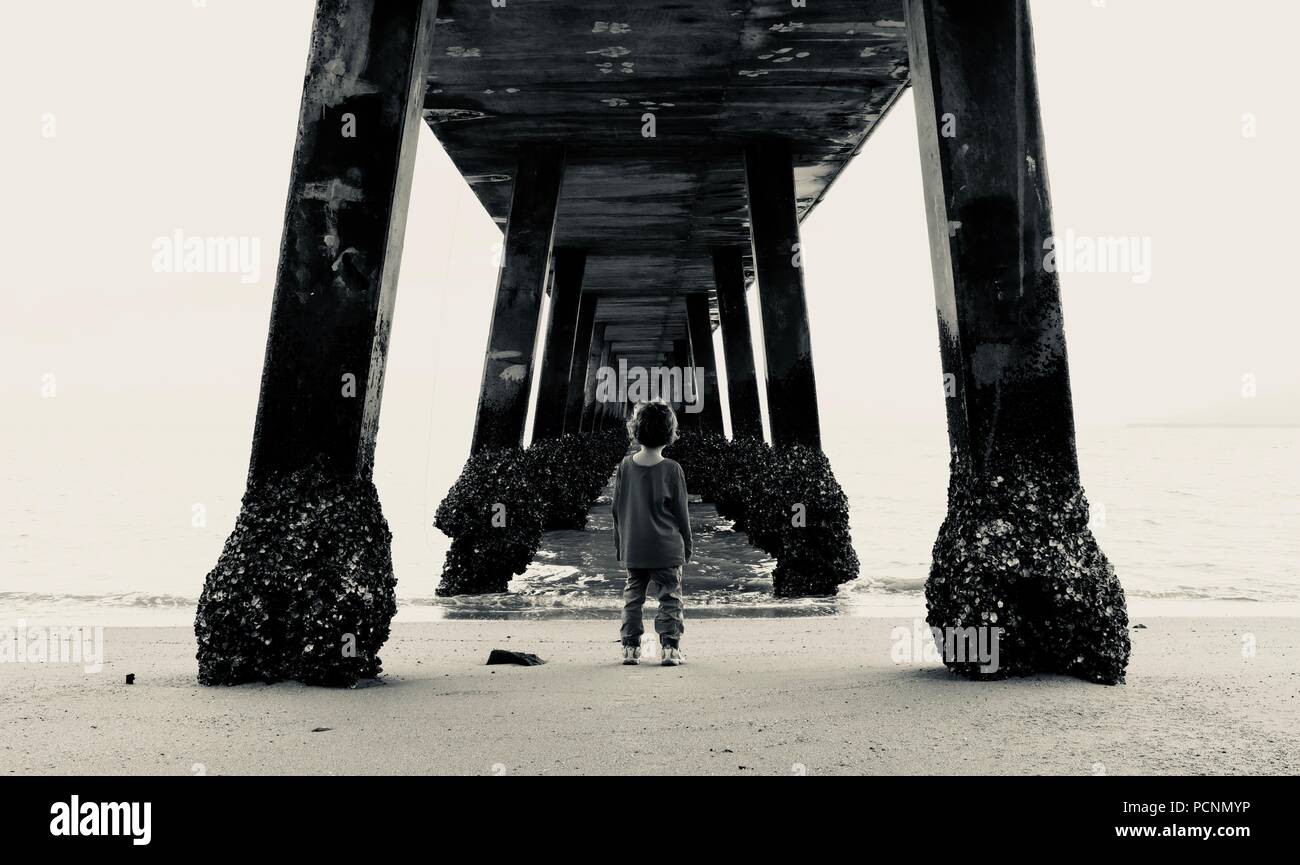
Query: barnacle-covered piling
{"type": "Point", "coordinates": [304, 588]}
{"type": "Point", "coordinates": [1014, 556]}
{"type": "Point", "coordinates": [504, 499]}
{"type": "Point", "coordinates": [785, 499]}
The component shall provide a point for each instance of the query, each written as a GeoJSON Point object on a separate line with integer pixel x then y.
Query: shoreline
{"type": "Point", "coordinates": [757, 696]}
{"type": "Point", "coordinates": [413, 611]}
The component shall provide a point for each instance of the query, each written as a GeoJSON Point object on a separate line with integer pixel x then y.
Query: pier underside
{"type": "Point", "coordinates": [711, 77]}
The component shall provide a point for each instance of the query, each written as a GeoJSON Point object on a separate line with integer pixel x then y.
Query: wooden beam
{"type": "Point", "coordinates": [988, 209]}
{"type": "Point", "coordinates": [579, 363]}
{"type": "Point", "coordinates": [598, 359]}
{"type": "Point", "coordinates": [737, 343]}
{"type": "Point", "coordinates": [349, 185]}
{"type": "Point", "coordinates": [706, 383]}
{"type": "Point", "coordinates": [681, 357]}
{"type": "Point", "coordinates": [774, 220]}
{"type": "Point", "coordinates": [508, 364]}
{"type": "Point", "coordinates": [558, 350]}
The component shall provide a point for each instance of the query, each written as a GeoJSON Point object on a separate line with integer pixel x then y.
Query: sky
{"type": "Point", "coordinates": [1166, 122]}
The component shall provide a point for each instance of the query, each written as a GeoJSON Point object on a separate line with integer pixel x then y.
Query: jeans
{"type": "Point", "coordinates": [669, 622]}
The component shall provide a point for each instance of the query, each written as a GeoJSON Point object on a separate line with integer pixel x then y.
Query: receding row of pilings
{"type": "Point", "coordinates": [575, 348]}
{"type": "Point", "coordinates": [304, 588]}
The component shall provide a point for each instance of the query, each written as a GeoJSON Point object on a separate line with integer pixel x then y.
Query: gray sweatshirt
{"type": "Point", "coordinates": [652, 527]}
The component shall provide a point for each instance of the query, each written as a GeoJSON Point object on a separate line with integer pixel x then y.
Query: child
{"type": "Point", "coordinates": [652, 531]}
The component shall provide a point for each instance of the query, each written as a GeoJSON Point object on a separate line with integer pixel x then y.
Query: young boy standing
{"type": "Point", "coordinates": [652, 531]}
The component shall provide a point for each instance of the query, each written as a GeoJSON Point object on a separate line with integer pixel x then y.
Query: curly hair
{"type": "Point", "coordinates": [653, 424]}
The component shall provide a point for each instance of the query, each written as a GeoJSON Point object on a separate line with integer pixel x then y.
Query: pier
{"type": "Point", "coordinates": [650, 163]}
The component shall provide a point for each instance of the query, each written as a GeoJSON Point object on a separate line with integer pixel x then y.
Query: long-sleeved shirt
{"type": "Point", "coordinates": [652, 526]}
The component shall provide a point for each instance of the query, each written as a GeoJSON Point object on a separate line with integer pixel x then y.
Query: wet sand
{"type": "Point", "coordinates": [757, 696]}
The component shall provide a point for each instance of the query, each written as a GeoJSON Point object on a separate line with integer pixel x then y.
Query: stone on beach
{"type": "Point", "coordinates": [522, 659]}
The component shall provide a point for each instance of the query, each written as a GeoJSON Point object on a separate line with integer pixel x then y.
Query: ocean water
{"type": "Point", "coordinates": [1184, 513]}
{"type": "Point", "coordinates": [111, 524]}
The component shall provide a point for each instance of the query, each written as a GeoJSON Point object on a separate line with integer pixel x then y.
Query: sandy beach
{"type": "Point", "coordinates": [775, 697]}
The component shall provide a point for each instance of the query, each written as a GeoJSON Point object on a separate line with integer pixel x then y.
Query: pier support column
{"type": "Point", "coordinates": [598, 358]}
{"type": "Point", "coordinates": [599, 408]}
{"type": "Point", "coordinates": [508, 365]}
{"type": "Point", "coordinates": [608, 409]}
{"type": "Point", "coordinates": [774, 228]}
{"type": "Point", "coordinates": [579, 363]}
{"type": "Point", "coordinates": [737, 343]}
{"type": "Point", "coordinates": [684, 359]}
{"type": "Point", "coordinates": [700, 327]}
{"type": "Point", "coordinates": [1015, 552]}
{"type": "Point", "coordinates": [311, 599]}
{"type": "Point", "coordinates": [559, 347]}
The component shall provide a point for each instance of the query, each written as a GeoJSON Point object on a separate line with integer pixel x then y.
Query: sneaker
{"type": "Point", "coordinates": [631, 655]}
{"type": "Point", "coordinates": [672, 656]}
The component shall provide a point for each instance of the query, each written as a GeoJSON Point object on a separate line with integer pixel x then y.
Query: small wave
{"type": "Point", "coordinates": [1203, 593]}
{"type": "Point", "coordinates": [885, 585]}
{"type": "Point", "coordinates": [137, 600]}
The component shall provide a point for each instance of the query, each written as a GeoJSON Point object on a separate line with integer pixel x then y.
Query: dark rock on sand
{"type": "Point", "coordinates": [522, 659]}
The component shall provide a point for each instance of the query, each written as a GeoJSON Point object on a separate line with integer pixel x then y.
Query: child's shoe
{"type": "Point", "coordinates": [631, 655]}
{"type": "Point", "coordinates": [672, 656]}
